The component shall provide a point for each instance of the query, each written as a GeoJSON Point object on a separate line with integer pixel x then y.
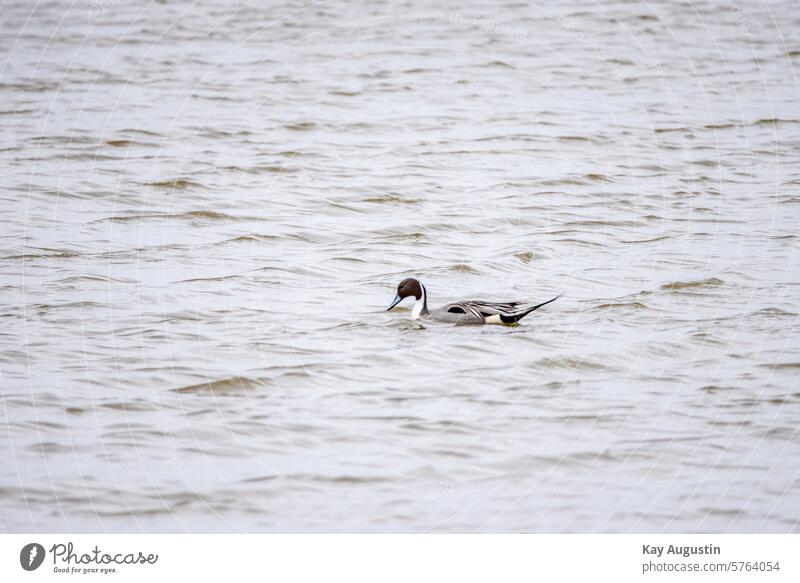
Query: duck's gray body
{"type": "Point", "coordinates": [477, 312]}
{"type": "Point", "coordinates": [466, 312]}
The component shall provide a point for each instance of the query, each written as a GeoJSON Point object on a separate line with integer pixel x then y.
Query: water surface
{"type": "Point", "coordinates": [207, 206]}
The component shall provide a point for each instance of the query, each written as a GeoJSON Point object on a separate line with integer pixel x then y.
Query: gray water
{"type": "Point", "coordinates": [207, 208]}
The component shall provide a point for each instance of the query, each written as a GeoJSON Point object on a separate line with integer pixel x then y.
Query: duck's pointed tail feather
{"type": "Point", "coordinates": [510, 319]}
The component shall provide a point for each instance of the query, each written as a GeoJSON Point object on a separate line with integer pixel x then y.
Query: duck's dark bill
{"type": "Point", "coordinates": [397, 300]}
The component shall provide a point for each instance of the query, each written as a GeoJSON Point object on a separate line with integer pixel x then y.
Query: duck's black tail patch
{"type": "Point", "coordinates": [517, 317]}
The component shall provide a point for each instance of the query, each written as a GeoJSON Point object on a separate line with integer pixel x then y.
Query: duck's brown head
{"type": "Point", "coordinates": [407, 287]}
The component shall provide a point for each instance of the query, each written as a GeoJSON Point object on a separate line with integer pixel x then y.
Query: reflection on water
{"type": "Point", "coordinates": [208, 207]}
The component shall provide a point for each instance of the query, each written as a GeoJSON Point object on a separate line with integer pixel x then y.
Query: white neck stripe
{"type": "Point", "coordinates": [416, 311]}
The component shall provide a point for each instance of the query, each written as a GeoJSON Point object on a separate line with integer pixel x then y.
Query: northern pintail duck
{"type": "Point", "coordinates": [468, 312]}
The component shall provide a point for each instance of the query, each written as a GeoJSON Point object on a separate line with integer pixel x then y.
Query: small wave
{"type": "Point", "coordinates": [507, 137]}
{"type": "Point", "coordinates": [47, 447]}
{"type": "Point", "coordinates": [780, 401]}
{"type": "Point", "coordinates": [444, 426]}
{"type": "Point", "coordinates": [462, 268]}
{"type": "Point", "coordinates": [711, 389]}
{"type": "Point", "coordinates": [16, 111]}
{"type": "Point", "coordinates": [48, 255]}
{"type": "Point", "coordinates": [236, 384]}
{"type": "Point", "coordinates": [399, 236]}
{"type": "Point", "coordinates": [581, 242]}
{"type": "Point", "coordinates": [591, 418]}
{"type": "Point", "coordinates": [211, 279]}
{"type": "Point", "coordinates": [90, 157]}
{"type": "Point", "coordinates": [679, 285]}
{"type": "Point", "coordinates": [525, 256]}
{"type": "Point", "coordinates": [392, 198]}
{"type": "Point", "coordinates": [774, 312]}
{"type": "Point", "coordinates": [603, 223]}
{"type": "Point", "coordinates": [341, 479]}
{"type": "Point", "coordinates": [175, 183]}
{"type": "Point", "coordinates": [620, 61]}
{"type": "Point", "coordinates": [132, 406]}
{"type": "Point", "coordinates": [672, 129]}
{"type": "Point", "coordinates": [188, 215]}
{"type": "Point", "coordinates": [225, 134]}
{"type": "Point", "coordinates": [628, 305]}
{"type": "Point", "coordinates": [640, 241]}
{"type": "Point", "coordinates": [736, 512]}
{"type": "Point", "coordinates": [781, 365]}
{"type": "Point", "coordinates": [570, 363]}
{"type": "Point", "coordinates": [69, 305]}
{"type": "Point", "coordinates": [651, 167]}
{"type": "Point", "coordinates": [302, 126]}
{"type": "Point", "coordinates": [347, 326]}
{"type": "Point", "coordinates": [96, 278]}
{"type": "Point", "coordinates": [268, 168]}
{"type": "Point", "coordinates": [70, 140]}
{"type": "Point", "coordinates": [596, 177]}
{"type": "Point", "coordinates": [339, 205]}
{"type": "Point", "coordinates": [251, 238]}
{"type": "Point", "coordinates": [497, 63]}
{"type": "Point", "coordinates": [574, 138]}
{"type": "Point", "coordinates": [257, 479]}
{"type": "Point", "coordinates": [772, 121]}
{"type": "Point", "coordinates": [134, 131]}
{"type": "Point", "coordinates": [347, 259]}
{"type": "Point", "coordinates": [706, 163]}
{"type": "Point", "coordinates": [273, 169]}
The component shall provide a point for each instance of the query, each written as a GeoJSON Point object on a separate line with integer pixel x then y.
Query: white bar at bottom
{"type": "Point", "coordinates": [405, 558]}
